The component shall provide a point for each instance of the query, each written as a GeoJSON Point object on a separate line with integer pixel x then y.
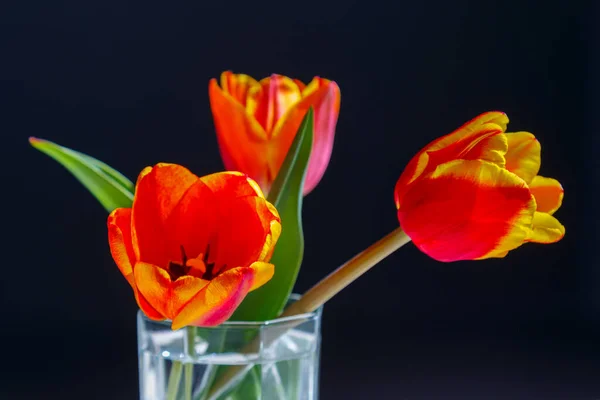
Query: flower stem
{"type": "Point", "coordinates": [174, 379]}
{"type": "Point", "coordinates": [189, 366]}
{"type": "Point", "coordinates": [325, 290]}
{"type": "Point", "coordinates": [347, 273]}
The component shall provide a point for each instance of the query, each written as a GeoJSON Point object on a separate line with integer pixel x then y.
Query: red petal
{"type": "Point", "coordinates": [232, 184]}
{"type": "Point", "coordinates": [158, 191]}
{"type": "Point", "coordinates": [242, 141]}
{"type": "Point", "coordinates": [119, 240]}
{"type": "Point", "coordinates": [327, 109]}
{"type": "Point", "coordinates": [269, 102]}
{"type": "Point", "coordinates": [238, 85]}
{"type": "Point", "coordinates": [192, 223]}
{"type": "Point", "coordinates": [167, 297]}
{"type": "Point", "coordinates": [246, 226]}
{"type": "Point", "coordinates": [324, 97]}
{"type": "Point", "coordinates": [217, 301]}
{"type": "Point", "coordinates": [467, 210]}
{"type": "Point", "coordinates": [474, 141]}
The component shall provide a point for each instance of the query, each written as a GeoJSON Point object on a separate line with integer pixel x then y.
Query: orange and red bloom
{"type": "Point", "coordinates": [476, 193]}
{"type": "Point", "coordinates": [256, 122]}
{"type": "Point", "coordinates": [193, 247]}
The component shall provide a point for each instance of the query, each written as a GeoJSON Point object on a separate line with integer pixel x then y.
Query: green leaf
{"type": "Point", "coordinates": [250, 386]}
{"type": "Point", "coordinates": [110, 187]}
{"type": "Point", "coordinates": [268, 301]}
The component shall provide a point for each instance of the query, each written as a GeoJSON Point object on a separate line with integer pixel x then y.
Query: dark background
{"type": "Point", "coordinates": [126, 82]}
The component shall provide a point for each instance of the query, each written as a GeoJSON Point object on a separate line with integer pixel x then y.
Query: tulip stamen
{"type": "Point", "coordinates": [210, 266]}
{"type": "Point", "coordinates": [177, 270]}
{"type": "Point", "coordinates": [183, 255]}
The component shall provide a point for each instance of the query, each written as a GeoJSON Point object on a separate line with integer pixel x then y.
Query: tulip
{"type": "Point", "coordinates": [476, 193]}
{"type": "Point", "coordinates": [192, 248]}
{"type": "Point", "coordinates": [256, 122]}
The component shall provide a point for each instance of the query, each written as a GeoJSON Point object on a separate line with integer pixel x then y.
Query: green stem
{"type": "Point", "coordinates": [189, 366]}
{"type": "Point", "coordinates": [174, 378]}
{"type": "Point", "coordinates": [212, 370]}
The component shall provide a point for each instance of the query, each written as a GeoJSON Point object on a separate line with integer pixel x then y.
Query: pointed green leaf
{"type": "Point", "coordinates": [268, 301]}
{"type": "Point", "coordinates": [250, 387]}
{"type": "Point", "coordinates": [121, 179]}
{"type": "Point", "coordinates": [111, 188]}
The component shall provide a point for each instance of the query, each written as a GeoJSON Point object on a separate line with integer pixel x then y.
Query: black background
{"type": "Point", "coordinates": [126, 82]}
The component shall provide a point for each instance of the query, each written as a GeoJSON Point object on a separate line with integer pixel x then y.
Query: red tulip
{"type": "Point", "coordinates": [192, 248]}
{"type": "Point", "coordinates": [476, 193]}
{"type": "Point", "coordinates": [256, 122]}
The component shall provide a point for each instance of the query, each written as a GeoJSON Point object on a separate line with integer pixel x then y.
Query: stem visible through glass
{"type": "Point", "coordinates": [189, 366]}
{"type": "Point", "coordinates": [174, 379]}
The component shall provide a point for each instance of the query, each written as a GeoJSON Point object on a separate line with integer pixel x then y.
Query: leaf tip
{"type": "Point", "coordinates": [35, 141]}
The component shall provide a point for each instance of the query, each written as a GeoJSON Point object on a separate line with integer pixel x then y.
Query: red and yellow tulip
{"type": "Point", "coordinates": [476, 193]}
{"type": "Point", "coordinates": [256, 122]}
{"type": "Point", "coordinates": [192, 248]}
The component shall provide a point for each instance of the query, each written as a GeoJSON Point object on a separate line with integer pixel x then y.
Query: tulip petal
{"type": "Point", "coordinates": [523, 157]}
{"type": "Point", "coordinates": [167, 297]}
{"type": "Point", "coordinates": [192, 223]}
{"type": "Point", "coordinates": [481, 138]}
{"type": "Point", "coordinates": [470, 129]}
{"type": "Point", "coordinates": [496, 254]}
{"type": "Point", "coordinates": [241, 138]}
{"type": "Point", "coordinates": [245, 229]}
{"type": "Point", "coordinates": [183, 290]}
{"type": "Point", "coordinates": [158, 191]}
{"type": "Point", "coordinates": [467, 210]}
{"type": "Point", "coordinates": [484, 142]}
{"type": "Point", "coordinates": [324, 96]}
{"type": "Point", "coordinates": [216, 302]}
{"type": "Point", "coordinates": [548, 194]}
{"type": "Point", "coordinates": [119, 239]}
{"type": "Point", "coordinates": [263, 272]}
{"type": "Point", "coordinates": [327, 110]}
{"type": "Point", "coordinates": [545, 229]}
{"type": "Point", "coordinates": [300, 85]}
{"type": "Point", "coordinates": [237, 85]}
{"type": "Point", "coordinates": [154, 284]}
{"type": "Point", "coordinates": [271, 100]}
{"type": "Point", "coordinates": [232, 184]}
{"type": "Point", "coordinates": [143, 303]}
{"type": "Point", "coordinates": [273, 220]}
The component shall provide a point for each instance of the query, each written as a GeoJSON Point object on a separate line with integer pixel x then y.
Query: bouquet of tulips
{"type": "Point", "coordinates": [201, 250]}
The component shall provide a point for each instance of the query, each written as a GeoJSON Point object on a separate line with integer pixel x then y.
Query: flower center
{"type": "Point", "coordinates": [198, 267]}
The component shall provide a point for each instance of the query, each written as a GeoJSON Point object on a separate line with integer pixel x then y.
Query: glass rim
{"type": "Point", "coordinates": [249, 324]}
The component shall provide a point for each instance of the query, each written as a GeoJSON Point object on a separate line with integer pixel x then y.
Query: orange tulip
{"type": "Point", "coordinates": [192, 248]}
{"type": "Point", "coordinates": [476, 193]}
{"type": "Point", "coordinates": [256, 122]}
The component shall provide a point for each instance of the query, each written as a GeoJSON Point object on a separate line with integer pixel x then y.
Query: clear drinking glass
{"type": "Point", "coordinates": [237, 360]}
